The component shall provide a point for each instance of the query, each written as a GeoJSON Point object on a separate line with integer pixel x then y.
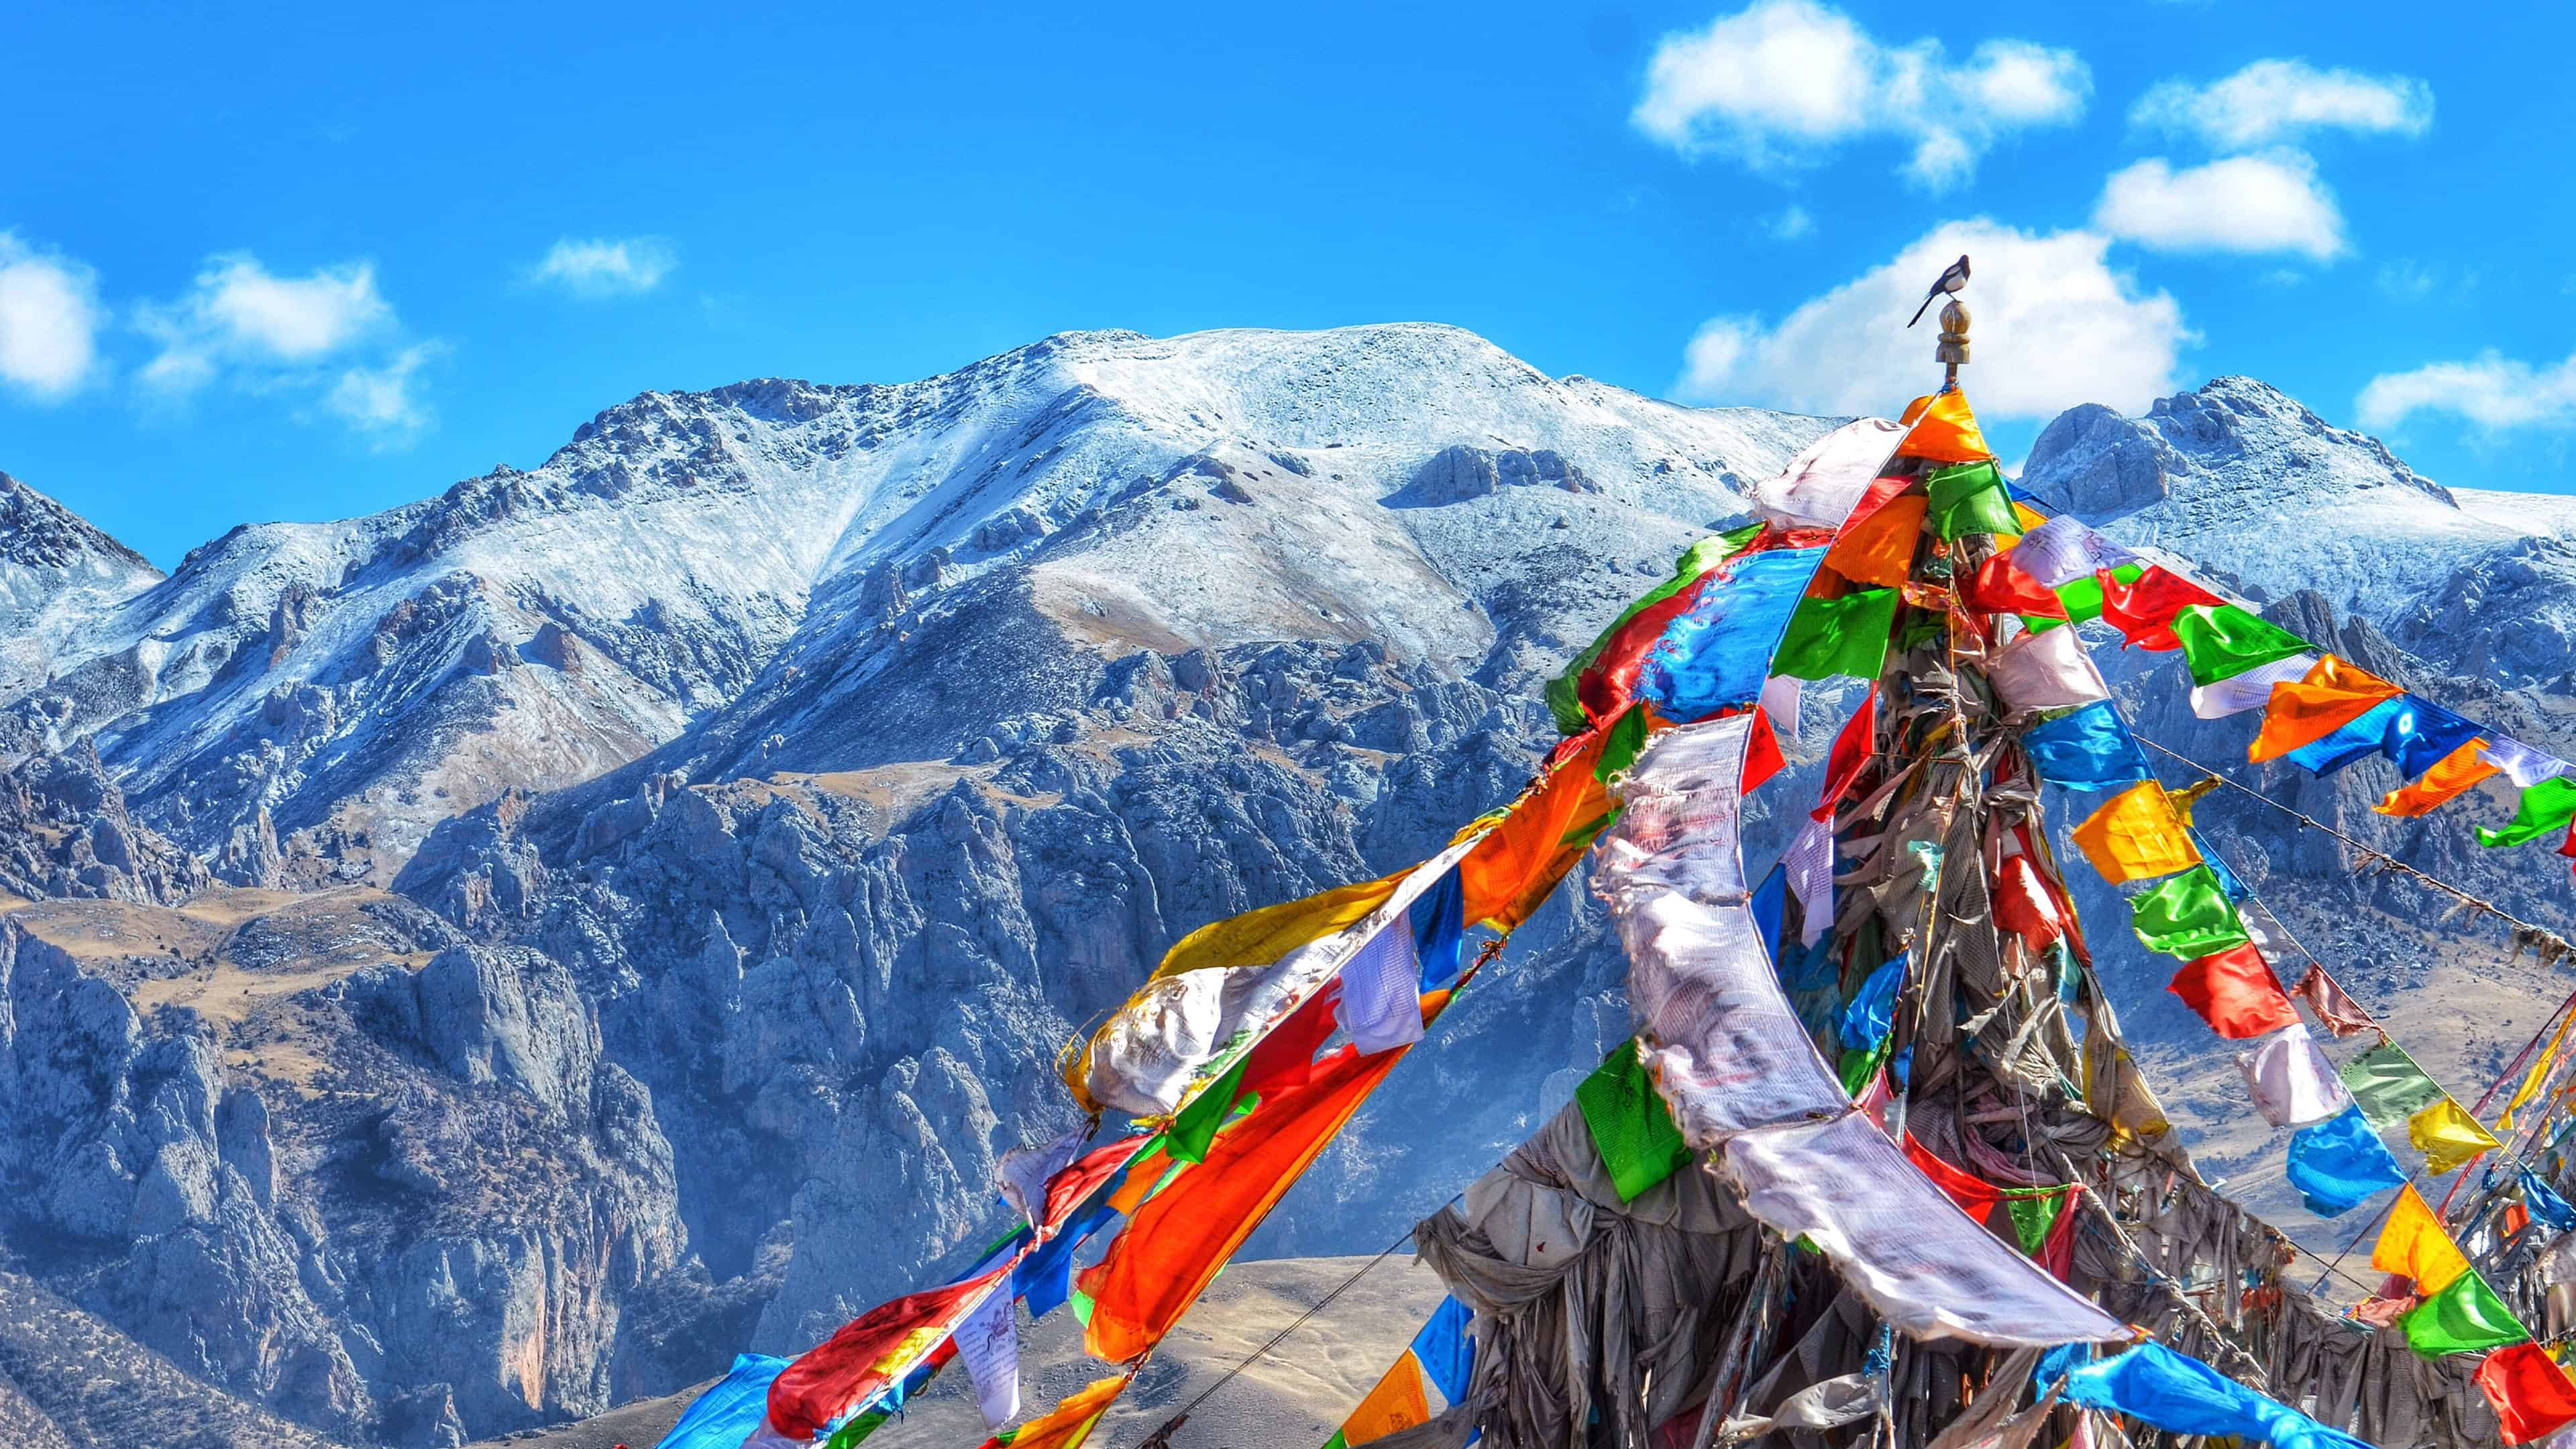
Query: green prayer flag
{"type": "Point", "coordinates": [2187, 915]}
{"type": "Point", "coordinates": [2083, 596]}
{"type": "Point", "coordinates": [1563, 700]}
{"type": "Point", "coordinates": [2221, 641]}
{"type": "Point", "coordinates": [2546, 807]}
{"type": "Point", "coordinates": [1635, 1135]}
{"type": "Point", "coordinates": [2387, 1085]}
{"type": "Point", "coordinates": [1848, 635]}
{"type": "Point", "coordinates": [1859, 1064]}
{"type": "Point", "coordinates": [2033, 1215]}
{"type": "Point", "coordinates": [1081, 1302]}
{"type": "Point", "coordinates": [1619, 748]}
{"type": "Point", "coordinates": [2466, 1317]}
{"type": "Point", "coordinates": [1969, 498]}
{"type": "Point", "coordinates": [1337, 1441]}
{"type": "Point", "coordinates": [1194, 1127]}
{"type": "Point", "coordinates": [851, 1433]}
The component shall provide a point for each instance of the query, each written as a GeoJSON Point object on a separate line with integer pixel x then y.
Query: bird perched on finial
{"type": "Point", "coordinates": [1951, 281]}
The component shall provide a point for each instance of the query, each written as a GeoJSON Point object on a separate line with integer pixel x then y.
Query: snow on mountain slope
{"type": "Point", "coordinates": [2262, 493]}
{"type": "Point", "coordinates": [56, 571]}
{"type": "Point", "coordinates": [347, 685]}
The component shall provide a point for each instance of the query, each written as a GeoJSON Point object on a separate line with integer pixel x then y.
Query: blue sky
{"type": "Point", "coordinates": [319, 261]}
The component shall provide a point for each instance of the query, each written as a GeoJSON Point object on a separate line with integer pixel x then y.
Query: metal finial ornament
{"type": "Point", "coordinates": [1953, 351]}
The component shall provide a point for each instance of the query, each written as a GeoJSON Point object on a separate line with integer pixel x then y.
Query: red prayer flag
{"type": "Point", "coordinates": [869, 1350]}
{"type": "Point", "coordinates": [2531, 1393]}
{"type": "Point", "coordinates": [2144, 611]}
{"type": "Point", "coordinates": [2234, 991]}
{"type": "Point", "coordinates": [1850, 755]}
{"type": "Point", "coordinates": [1286, 1057]}
{"type": "Point", "coordinates": [1974, 1196]}
{"type": "Point", "coordinates": [1607, 688]}
{"type": "Point", "coordinates": [1880, 490]}
{"type": "Point", "coordinates": [2001, 586]}
{"type": "Point", "coordinates": [2023, 905]}
{"type": "Point", "coordinates": [1762, 758]}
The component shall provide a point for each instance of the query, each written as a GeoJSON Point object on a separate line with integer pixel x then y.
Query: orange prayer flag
{"type": "Point", "coordinates": [1945, 431]}
{"type": "Point", "coordinates": [1396, 1404]}
{"type": "Point", "coordinates": [1175, 1243]}
{"type": "Point", "coordinates": [2136, 836]}
{"type": "Point", "coordinates": [1512, 870]}
{"type": "Point", "coordinates": [2532, 1395]}
{"type": "Point", "coordinates": [1068, 1423]}
{"type": "Point", "coordinates": [2449, 777]}
{"type": "Point", "coordinates": [1880, 549]}
{"type": "Point", "coordinates": [2414, 1242]}
{"type": "Point", "coordinates": [2334, 694]}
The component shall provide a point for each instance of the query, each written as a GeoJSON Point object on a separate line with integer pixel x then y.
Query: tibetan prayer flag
{"type": "Point", "coordinates": [2336, 1012]}
{"type": "Point", "coordinates": [1286, 1057]}
{"type": "Point", "coordinates": [2034, 1215]}
{"type": "Point", "coordinates": [1515, 868]}
{"type": "Point", "coordinates": [1439, 932]}
{"type": "Point", "coordinates": [2234, 991]}
{"type": "Point", "coordinates": [1872, 1012]}
{"type": "Point", "coordinates": [2045, 671]}
{"type": "Point", "coordinates": [2081, 598]}
{"type": "Point", "coordinates": [2522, 764]}
{"type": "Point", "coordinates": [1194, 1126]}
{"type": "Point", "coordinates": [1942, 429]}
{"type": "Point", "coordinates": [2543, 1202]}
{"type": "Point", "coordinates": [1068, 1424]}
{"type": "Point", "coordinates": [1176, 1242]}
{"type": "Point", "coordinates": [2532, 1396]}
{"type": "Point", "coordinates": [2143, 610]}
{"type": "Point", "coordinates": [1264, 935]}
{"type": "Point", "coordinates": [2447, 1135]}
{"type": "Point", "coordinates": [1606, 673]}
{"type": "Point", "coordinates": [2546, 808]}
{"type": "Point", "coordinates": [1879, 550]}
{"type": "Point", "coordinates": [2064, 548]}
{"type": "Point", "coordinates": [1975, 1196]}
{"type": "Point", "coordinates": [2135, 835]}
{"type": "Point", "coordinates": [2339, 1163]}
{"type": "Point", "coordinates": [2221, 641]}
{"type": "Point", "coordinates": [868, 1352]}
{"type": "Point", "coordinates": [2187, 916]}
{"type": "Point", "coordinates": [2448, 778]}
{"type": "Point", "coordinates": [2001, 587]}
{"type": "Point", "coordinates": [1827, 637]}
{"type": "Point", "coordinates": [2414, 1243]}
{"type": "Point", "coordinates": [2466, 1317]}
{"type": "Point", "coordinates": [2388, 1085]}
{"type": "Point", "coordinates": [1970, 498]}
{"type": "Point", "coordinates": [2087, 749]}
{"type": "Point", "coordinates": [1762, 757]}
{"type": "Point", "coordinates": [1716, 655]}
{"type": "Point", "coordinates": [2407, 730]}
{"type": "Point", "coordinates": [2333, 694]}
{"type": "Point", "coordinates": [2290, 1080]}
{"type": "Point", "coordinates": [1850, 755]}
{"type": "Point", "coordinates": [1396, 1404]}
{"type": "Point", "coordinates": [1044, 1279]}
{"type": "Point", "coordinates": [723, 1416]}
{"type": "Point", "coordinates": [1446, 1353]}
{"type": "Point", "coordinates": [2182, 1395]}
{"type": "Point", "coordinates": [2542, 1066]}
{"type": "Point", "coordinates": [1631, 1127]}
{"type": "Point", "coordinates": [2023, 904]}
{"type": "Point", "coordinates": [2250, 690]}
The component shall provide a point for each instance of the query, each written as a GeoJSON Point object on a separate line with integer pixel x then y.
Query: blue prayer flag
{"type": "Point", "coordinates": [725, 1415]}
{"type": "Point", "coordinates": [2227, 880]}
{"type": "Point", "coordinates": [2087, 749]}
{"type": "Point", "coordinates": [1872, 1012]}
{"type": "Point", "coordinates": [2182, 1395]}
{"type": "Point", "coordinates": [1045, 1277]}
{"type": "Point", "coordinates": [2544, 1203]}
{"type": "Point", "coordinates": [1439, 930]}
{"type": "Point", "coordinates": [2413, 732]}
{"type": "Point", "coordinates": [1770, 905]}
{"type": "Point", "coordinates": [1719, 652]}
{"type": "Point", "coordinates": [1446, 1353]}
{"type": "Point", "coordinates": [2339, 1162]}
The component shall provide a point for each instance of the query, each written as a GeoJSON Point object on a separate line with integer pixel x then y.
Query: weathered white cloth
{"type": "Point", "coordinates": [2522, 764]}
{"type": "Point", "coordinates": [2290, 1080]}
{"type": "Point", "coordinates": [1809, 863]}
{"type": "Point", "coordinates": [2250, 690]}
{"type": "Point", "coordinates": [988, 1342]}
{"type": "Point", "coordinates": [1382, 990]}
{"type": "Point", "coordinates": [1780, 705]}
{"type": "Point", "coordinates": [2064, 549]}
{"type": "Point", "coordinates": [1821, 485]}
{"type": "Point", "coordinates": [2046, 671]}
{"type": "Point", "coordinates": [1924, 1265]}
{"type": "Point", "coordinates": [1021, 1175]}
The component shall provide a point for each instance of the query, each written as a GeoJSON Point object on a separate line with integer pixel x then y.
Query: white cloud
{"type": "Point", "coordinates": [2268, 203]}
{"type": "Point", "coordinates": [605, 268]}
{"type": "Point", "coordinates": [385, 402]}
{"type": "Point", "coordinates": [240, 314]}
{"type": "Point", "coordinates": [327, 338]}
{"type": "Point", "coordinates": [2053, 325]}
{"type": "Point", "coordinates": [1784, 80]}
{"type": "Point", "coordinates": [2281, 100]}
{"type": "Point", "coordinates": [49, 320]}
{"type": "Point", "coordinates": [1789, 224]}
{"type": "Point", "coordinates": [2492, 391]}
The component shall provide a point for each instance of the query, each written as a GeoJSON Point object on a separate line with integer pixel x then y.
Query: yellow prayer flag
{"type": "Point", "coordinates": [2539, 1073]}
{"type": "Point", "coordinates": [2415, 1243]}
{"type": "Point", "coordinates": [2030, 517]}
{"type": "Point", "coordinates": [2136, 836]}
{"type": "Point", "coordinates": [2447, 1136]}
{"type": "Point", "coordinates": [1069, 1422]}
{"type": "Point", "coordinates": [1396, 1404]}
{"type": "Point", "coordinates": [1266, 934]}
{"type": "Point", "coordinates": [2190, 795]}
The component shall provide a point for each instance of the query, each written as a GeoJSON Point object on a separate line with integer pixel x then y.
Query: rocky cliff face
{"type": "Point", "coordinates": [472, 965]}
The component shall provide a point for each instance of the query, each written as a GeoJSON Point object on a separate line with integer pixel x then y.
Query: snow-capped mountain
{"type": "Point", "coordinates": [697, 847]}
{"type": "Point", "coordinates": [359, 681]}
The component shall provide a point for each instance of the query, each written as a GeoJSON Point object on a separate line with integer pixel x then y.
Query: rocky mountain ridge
{"type": "Point", "coordinates": [817, 759]}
